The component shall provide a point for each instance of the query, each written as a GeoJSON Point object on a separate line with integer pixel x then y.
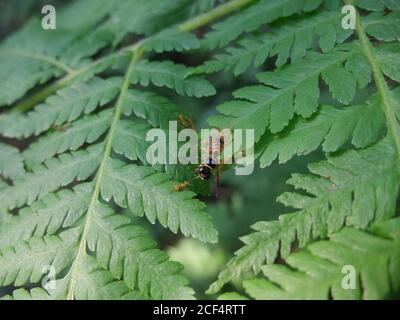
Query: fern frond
{"type": "Point", "coordinates": [130, 140]}
{"type": "Point", "coordinates": [33, 294]}
{"type": "Point", "coordinates": [23, 262]}
{"type": "Point", "coordinates": [152, 194]}
{"type": "Point", "coordinates": [288, 40]}
{"type": "Point", "coordinates": [97, 283]}
{"type": "Point", "coordinates": [31, 56]}
{"type": "Point", "coordinates": [173, 76]}
{"type": "Point", "coordinates": [292, 39]}
{"type": "Point", "coordinates": [31, 72]}
{"type": "Point", "coordinates": [383, 27]}
{"type": "Point", "coordinates": [62, 196]}
{"type": "Point", "coordinates": [172, 40]}
{"type": "Point", "coordinates": [155, 109]}
{"type": "Point", "coordinates": [331, 127]}
{"type": "Point", "coordinates": [11, 161]}
{"type": "Point", "coordinates": [51, 175]}
{"type": "Point", "coordinates": [338, 191]}
{"type": "Point", "coordinates": [111, 257]}
{"type": "Point", "coordinates": [126, 264]}
{"type": "Point", "coordinates": [232, 296]}
{"type": "Point", "coordinates": [260, 13]}
{"type": "Point", "coordinates": [343, 181]}
{"type": "Point", "coordinates": [379, 5]}
{"type": "Point", "coordinates": [316, 272]}
{"type": "Point", "coordinates": [127, 253]}
{"type": "Point", "coordinates": [389, 60]}
{"type": "Point", "coordinates": [66, 106]}
{"type": "Point", "coordinates": [85, 130]}
{"type": "Point", "coordinates": [357, 188]}
{"type": "Point", "coordinates": [48, 216]}
{"type": "Point", "coordinates": [294, 89]}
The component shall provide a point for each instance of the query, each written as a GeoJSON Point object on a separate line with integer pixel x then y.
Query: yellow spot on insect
{"type": "Point", "coordinates": [180, 186]}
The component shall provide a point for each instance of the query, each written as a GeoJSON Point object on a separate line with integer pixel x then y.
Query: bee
{"type": "Point", "coordinates": [180, 186]}
{"type": "Point", "coordinates": [212, 165]}
{"type": "Point", "coordinates": [218, 142]}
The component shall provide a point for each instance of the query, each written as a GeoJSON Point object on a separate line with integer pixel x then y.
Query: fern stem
{"type": "Point", "coordinates": [99, 176]}
{"type": "Point", "coordinates": [382, 86]}
{"type": "Point", "coordinates": [137, 51]}
{"type": "Point", "coordinates": [44, 93]}
{"type": "Point", "coordinates": [216, 13]}
{"type": "Point", "coordinates": [191, 24]}
{"type": "Point", "coordinates": [41, 57]}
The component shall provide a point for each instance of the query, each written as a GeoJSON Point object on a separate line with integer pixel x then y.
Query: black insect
{"type": "Point", "coordinates": [211, 166]}
{"type": "Point", "coordinates": [205, 170]}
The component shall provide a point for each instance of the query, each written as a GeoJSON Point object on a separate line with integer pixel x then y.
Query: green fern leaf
{"type": "Point", "coordinates": [339, 198]}
{"type": "Point", "coordinates": [389, 60]}
{"type": "Point", "coordinates": [31, 72]}
{"type": "Point", "coordinates": [316, 272]}
{"type": "Point", "coordinates": [23, 262]}
{"type": "Point", "coordinates": [23, 294]}
{"type": "Point", "coordinates": [231, 296]}
{"type": "Point", "coordinates": [157, 110]}
{"type": "Point", "coordinates": [289, 39]}
{"type": "Point", "coordinates": [130, 141]}
{"type": "Point", "coordinates": [123, 249]}
{"type": "Point", "coordinates": [97, 283]}
{"type": "Point", "coordinates": [47, 216]}
{"type": "Point", "coordinates": [379, 5]}
{"type": "Point", "coordinates": [11, 162]}
{"type": "Point", "coordinates": [331, 128]}
{"type": "Point", "coordinates": [125, 257]}
{"type": "Point", "coordinates": [383, 27]}
{"type": "Point", "coordinates": [170, 75]}
{"type": "Point", "coordinates": [85, 130]}
{"type": "Point", "coordinates": [69, 104]}
{"type": "Point", "coordinates": [149, 193]}
{"type": "Point", "coordinates": [263, 12]}
{"type": "Point", "coordinates": [297, 91]}
{"type": "Point", "coordinates": [32, 55]}
{"type": "Point", "coordinates": [72, 197]}
{"type": "Point", "coordinates": [172, 40]}
{"type": "Point", "coordinates": [54, 173]}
